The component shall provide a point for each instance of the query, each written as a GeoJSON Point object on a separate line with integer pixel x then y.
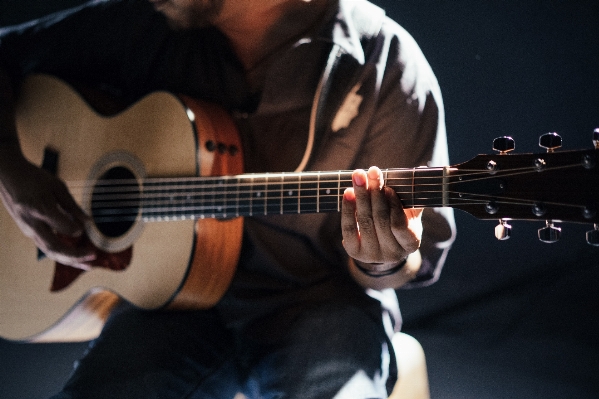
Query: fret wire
{"type": "Point", "coordinates": [318, 193]}
{"type": "Point", "coordinates": [281, 195]}
{"type": "Point", "coordinates": [386, 176]}
{"type": "Point", "coordinates": [338, 190]}
{"type": "Point", "coordinates": [214, 197]}
{"type": "Point", "coordinates": [299, 189]}
{"type": "Point", "coordinates": [237, 198]}
{"type": "Point", "coordinates": [265, 196]}
{"type": "Point", "coordinates": [251, 196]}
{"type": "Point", "coordinates": [413, 177]}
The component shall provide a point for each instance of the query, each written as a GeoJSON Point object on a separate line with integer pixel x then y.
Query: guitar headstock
{"type": "Point", "coordinates": [550, 187]}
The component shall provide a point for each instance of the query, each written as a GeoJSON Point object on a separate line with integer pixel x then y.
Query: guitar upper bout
{"type": "Point", "coordinates": [217, 242]}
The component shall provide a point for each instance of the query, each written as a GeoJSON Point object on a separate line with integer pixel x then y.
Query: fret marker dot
{"type": "Point", "coordinates": [328, 190]}
{"type": "Point", "coordinates": [290, 192]}
{"type": "Point", "coordinates": [258, 194]}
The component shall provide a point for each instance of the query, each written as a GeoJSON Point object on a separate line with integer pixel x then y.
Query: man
{"type": "Point", "coordinates": [296, 321]}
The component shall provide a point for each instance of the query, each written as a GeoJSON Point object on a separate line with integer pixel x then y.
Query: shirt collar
{"type": "Point", "coordinates": [341, 27]}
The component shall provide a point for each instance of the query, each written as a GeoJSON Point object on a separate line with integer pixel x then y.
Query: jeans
{"type": "Point", "coordinates": [320, 352]}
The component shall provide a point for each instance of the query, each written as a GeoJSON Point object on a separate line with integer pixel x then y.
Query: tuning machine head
{"type": "Point", "coordinates": [550, 233]}
{"type": "Point", "coordinates": [593, 236]}
{"type": "Point", "coordinates": [504, 144]}
{"type": "Point", "coordinates": [503, 231]}
{"type": "Point", "coordinates": [550, 141]}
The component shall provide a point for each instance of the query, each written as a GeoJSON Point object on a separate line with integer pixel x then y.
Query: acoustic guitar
{"type": "Point", "coordinates": [164, 185]}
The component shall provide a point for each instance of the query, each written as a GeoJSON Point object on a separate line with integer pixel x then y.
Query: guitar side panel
{"type": "Point", "coordinates": [217, 242]}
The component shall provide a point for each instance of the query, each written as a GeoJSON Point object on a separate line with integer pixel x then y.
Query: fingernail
{"type": "Point", "coordinates": [373, 173]}
{"type": "Point", "coordinates": [349, 195]}
{"type": "Point", "coordinates": [359, 180]}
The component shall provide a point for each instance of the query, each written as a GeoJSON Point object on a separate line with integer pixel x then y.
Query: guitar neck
{"type": "Point", "coordinates": [281, 193]}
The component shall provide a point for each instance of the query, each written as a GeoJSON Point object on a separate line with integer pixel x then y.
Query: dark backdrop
{"type": "Point", "coordinates": [507, 319]}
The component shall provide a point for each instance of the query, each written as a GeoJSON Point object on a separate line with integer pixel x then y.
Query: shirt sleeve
{"type": "Point", "coordinates": [407, 130]}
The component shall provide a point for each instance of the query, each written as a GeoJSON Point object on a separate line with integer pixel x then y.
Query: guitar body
{"type": "Point", "coordinates": [182, 264]}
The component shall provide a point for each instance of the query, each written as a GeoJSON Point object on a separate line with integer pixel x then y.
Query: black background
{"type": "Point", "coordinates": [513, 319]}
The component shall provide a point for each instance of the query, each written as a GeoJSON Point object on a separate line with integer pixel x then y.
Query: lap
{"type": "Point", "coordinates": [142, 354]}
{"type": "Point", "coordinates": [312, 354]}
{"type": "Point", "coordinates": [324, 349]}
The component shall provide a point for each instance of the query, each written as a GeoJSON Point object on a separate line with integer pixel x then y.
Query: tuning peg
{"type": "Point", "coordinates": [504, 144]}
{"type": "Point", "coordinates": [503, 231]}
{"type": "Point", "coordinates": [593, 236]}
{"type": "Point", "coordinates": [550, 141]}
{"type": "Point", "coordinates": [596, 138]}
{"type": "Point", "coordinates": [550, 233]}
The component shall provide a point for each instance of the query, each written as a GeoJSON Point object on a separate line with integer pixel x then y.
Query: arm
{"type": "Point", "coordinates": [407, 129]}
{"type": "Point", "coordinates": [39, 203]}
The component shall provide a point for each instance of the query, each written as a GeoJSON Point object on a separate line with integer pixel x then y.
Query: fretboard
{"type": "Point", "coordinates": [280, 193]}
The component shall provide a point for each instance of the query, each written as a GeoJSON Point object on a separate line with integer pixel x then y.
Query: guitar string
{"type": "Point", "coordinates": [302, 179]}
{"type": "Point", "coordinates": [244, 209]}
{"type": "Point", "coordinates": [265, 205]}
{"type": "Point", "coordinates": [169, 198]}
{"type": "Point", "coordinates": [306, 207]}
{"type": "Point", "coordinates": [237, 212]}
{"type": "Point", "coordinates": [221, 180]}
{"type": "Point", "coordinates": [296, 207]}
{"type": "Point", "coordinates": [418, 201]}
{"type": "Point", "coordinates": [166, 191]}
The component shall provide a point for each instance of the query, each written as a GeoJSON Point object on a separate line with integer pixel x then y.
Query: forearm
{"type": "Point", "coordinates": [395, 280]}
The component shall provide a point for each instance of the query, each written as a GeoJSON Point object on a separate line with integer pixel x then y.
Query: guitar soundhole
{"type": "Point", "coordinates": [115, 202]}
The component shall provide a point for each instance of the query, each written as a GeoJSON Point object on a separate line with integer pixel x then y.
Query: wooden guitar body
{"type": "Point", "coordinates": [183, 263]}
